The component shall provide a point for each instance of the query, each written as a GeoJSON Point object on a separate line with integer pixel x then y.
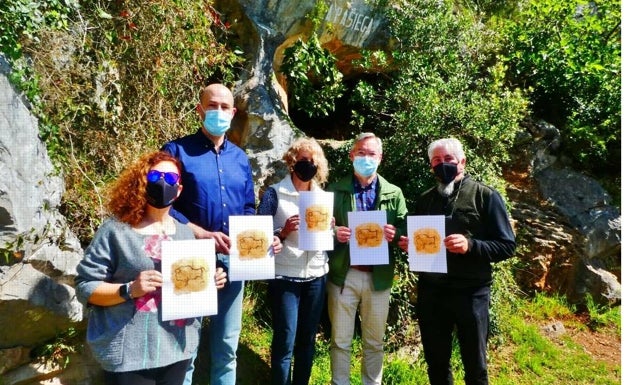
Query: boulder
{"type": "Point", "coordinates": [567, 222]}
{"type": "Point", "coordinates": [586, 206]}
{"type": "Point", "coordinates": [38, 253]}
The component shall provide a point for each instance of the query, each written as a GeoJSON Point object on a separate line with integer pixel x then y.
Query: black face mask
{"type": "Point", "coordinates": [161, 194]}
{"type": "Point", "coordinates": [445, 172]}
{"type": "Point", "coordinates": [305, 170]}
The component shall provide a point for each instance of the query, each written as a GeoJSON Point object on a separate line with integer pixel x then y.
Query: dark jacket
{"type": "Point", "coordinates": [478, 212]}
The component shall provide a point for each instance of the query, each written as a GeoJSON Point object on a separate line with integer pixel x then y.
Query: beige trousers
{"type": "Point", "coordinates": [343, 304]}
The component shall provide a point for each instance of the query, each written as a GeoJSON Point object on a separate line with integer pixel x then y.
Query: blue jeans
{"type": "Point", "coordinates": [224, 330]}
{"type": "Point", "coordinates": [296, 309]}
{"type": "Point", "coordinates": [440, 310]}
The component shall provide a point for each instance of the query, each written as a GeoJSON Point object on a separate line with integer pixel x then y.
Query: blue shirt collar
{"type": "Point", "coordinates": [357, 187]}
{"type": "Point", "coordinates": [206, 142]}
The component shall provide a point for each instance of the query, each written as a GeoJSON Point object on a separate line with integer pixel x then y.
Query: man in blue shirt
{"type": "Point", "coordinates": [217, 183]}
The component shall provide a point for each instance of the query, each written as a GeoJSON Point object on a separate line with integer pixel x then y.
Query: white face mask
{"type": "Point", "coordinates": [217, 122]}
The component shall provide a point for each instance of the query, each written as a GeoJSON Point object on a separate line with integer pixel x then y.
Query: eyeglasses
{"type": "Point", "coordinates": [170, 177]}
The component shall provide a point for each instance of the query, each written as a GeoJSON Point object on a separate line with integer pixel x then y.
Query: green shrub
{"type": "Point", "coordinates": [314, 82]}
{"type": "Point", "coordinates": [569, 54]}
{"type": "Point", "coordinates": [121, 80]}
{"type": "Point", "coordinates": [443, 79]}
{"type": "Point", "coordinates": [21, 19]}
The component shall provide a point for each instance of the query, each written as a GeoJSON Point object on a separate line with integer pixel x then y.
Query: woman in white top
{"type": "Point", "coordinates": [297, 293]}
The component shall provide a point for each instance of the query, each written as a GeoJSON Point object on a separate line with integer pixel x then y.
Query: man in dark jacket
{"type": "Point", "coordinates": [478, 233]}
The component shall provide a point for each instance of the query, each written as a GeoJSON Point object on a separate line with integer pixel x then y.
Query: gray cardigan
{"type": "Point", "coordinates": [130, 336]}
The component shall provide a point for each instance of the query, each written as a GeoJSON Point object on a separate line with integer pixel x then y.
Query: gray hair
{"type": "Point", "coordinates": [452, 145]}
{"type": "Point", "coordinates": [367, 135]}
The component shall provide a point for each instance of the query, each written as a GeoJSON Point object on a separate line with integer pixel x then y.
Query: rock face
{"type": "Point", "coordinates": [38, 255]}
{"type": "Point", "coordinates": [566, 221]}
{"type": "Point", "coordinates": [265, 29]}
{"type": "Point", "coordinates": [587, 208]}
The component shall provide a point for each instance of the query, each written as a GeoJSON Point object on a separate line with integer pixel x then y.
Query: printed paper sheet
{"type": "Point", "coordinates": [316, 210]}
{"type": "Point", "coordinates": [367, 245]}
{"type": "Point", "coordinates": [188, 269]}
{"type": "Point", "coordinates": [251, 250]}
{"type": "Point", "coordinates": [426, 251]}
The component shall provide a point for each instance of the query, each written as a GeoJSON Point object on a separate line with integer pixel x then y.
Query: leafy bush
{"type": "Point", "coordinates": [123, 79]}
{"type": "Point", "coordinates": [314, 82]}
{"type": "Point", "coordinates": [569, 54]}
{"type": "Point", "coordinates": [443, 79]}
{"type": "Point", "coordinates": [27, 17]}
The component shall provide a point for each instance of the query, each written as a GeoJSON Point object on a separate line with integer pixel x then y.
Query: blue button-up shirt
{"type": "Point", "coordinates": [365, 195]}
{"type": "Point", "coordinates": [217, 182]}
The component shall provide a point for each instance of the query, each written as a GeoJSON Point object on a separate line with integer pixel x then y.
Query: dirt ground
{"type": "Point", "coordinates": [604, 344]}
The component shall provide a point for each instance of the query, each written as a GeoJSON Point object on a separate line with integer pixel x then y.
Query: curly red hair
{"type": "Point", "coordinates": [127, 195]}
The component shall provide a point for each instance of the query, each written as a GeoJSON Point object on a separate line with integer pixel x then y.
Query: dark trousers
{"type": "Point", "coordinates": [296, 308]}
{"type": "Point", "coordinates": [167, 375]}
{"type": "Point", "coordinates": [442, 310]}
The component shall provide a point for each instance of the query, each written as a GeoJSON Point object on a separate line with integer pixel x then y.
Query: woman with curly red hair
{"type": "Point", "coordinates": [119, 279]}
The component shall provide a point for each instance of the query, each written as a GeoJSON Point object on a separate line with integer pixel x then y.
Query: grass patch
{"type": "Point", "coordinates": [532, 358]}
{"type": "Point", "coordinates": [602, 316]}
{"type": "Point", "coordinates": [544, 307]}
{"type": "Point", "coordinates": [525, 357]}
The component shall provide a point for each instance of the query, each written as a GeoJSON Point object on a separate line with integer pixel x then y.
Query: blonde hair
{"type": "Point", "coordinates": [318, 157]}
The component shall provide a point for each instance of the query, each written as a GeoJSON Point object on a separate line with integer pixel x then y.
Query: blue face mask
{"type": "Point", "coordinates": [217, 122]}
{"type": "Point", "coordinates": [365, 165]}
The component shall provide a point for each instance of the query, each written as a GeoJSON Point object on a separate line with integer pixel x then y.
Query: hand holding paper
{"type": "Point", "coordinates": [368, 237]}
{"type": "Point", "coordinates": [343, 233]}
{"type": "Point", "coordinates": [389, 232]}
{"type": "Point", "coordinates": [426, 251]}
{"type": "Point", "coordinates": [456, 243]}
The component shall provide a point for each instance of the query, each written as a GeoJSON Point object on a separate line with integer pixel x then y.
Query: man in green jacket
{"type": "Point", "coordinates": [366, 287]}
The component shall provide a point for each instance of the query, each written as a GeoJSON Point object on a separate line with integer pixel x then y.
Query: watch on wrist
{"type": "Point", "coordinates": [278, 233]}
{"type": "Point", "coordinates": [124, 291]}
